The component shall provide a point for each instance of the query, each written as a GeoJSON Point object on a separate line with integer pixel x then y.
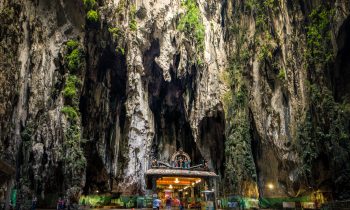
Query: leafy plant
{"type": "Point", "coordinates": [92, 16]}
{"type": "Point", "coordinates": [72, 44]}
{"type": "Point", "coordinates": [70, 90]}
{"type": "Point", "coordinates": [74, 59]}
{"type": "Point", "coordinates": [281, 74]}
{"type": "Point", "coordinates": [70, 112]}
{"type": "Point", "coordinates": [191, 23]}
{"type": "Point", "coordinates": [132, 16]}
{"type": "Point", "coordinates": [89, 4]}
{"type": "Point", "coordinates": [319, 36]}
{"type": "Point", "coordinates": [120, 50]}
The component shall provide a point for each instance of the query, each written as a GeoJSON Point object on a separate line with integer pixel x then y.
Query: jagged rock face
{"type": "Point", "coordinates": [148, 86]}
{"type": "Point", "coordinates": [163, 82]}
{"type": "Point", "coordinates": [127, 99]}
{"type": "Point", "coordinates": [278, 102]}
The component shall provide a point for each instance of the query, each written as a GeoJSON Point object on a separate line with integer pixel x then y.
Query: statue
{"type": "Point", "coordinates": [154, 163]}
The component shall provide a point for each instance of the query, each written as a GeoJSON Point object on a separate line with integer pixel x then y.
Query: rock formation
{"type": "Point", "coordinates": [92, 90]}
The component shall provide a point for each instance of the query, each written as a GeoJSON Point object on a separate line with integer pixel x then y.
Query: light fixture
{"type": "Point", "coordinates": [170, 186]}
{"type": "Point", "coordinates": [177, 180]}
{"type": "Point", "coordinates": [198, 180]}
{"type": "Point", "coordinates": [192, 183]}
{"type": "Point", "coordinates": [270, 186]}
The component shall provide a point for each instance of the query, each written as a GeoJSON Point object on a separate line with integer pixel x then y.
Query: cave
{"type": "Point", "coordinates": [167, 102]}
{"type": "Point", "coordinates": [341, 73]}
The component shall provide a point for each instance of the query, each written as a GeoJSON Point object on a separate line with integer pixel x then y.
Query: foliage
{"type": "Point", "coordinates": [191, 23]}
{"type": "Point", "coordinates": [324, 131]}
{"type": "Point", "coordinates": [282, 74]}
{"type": "Point", "coordinates": [70, 90]}
{"type": "Point", "coordinates": [74, 55]}
{"type": "Point", "coordinates": [239, 166]}
{"type": "Point", "coordinates": [92, 16]}
{"type": "Point", "coordinates": [70, 112]}
{"type": "Point", "coordinates": [72, 44]}
{"type": "Point", "coordinates": [74, 60]}
{"type": "Point", "coordinates": [319, 36]}
{"type": "Point", "coordinates": [114, 31]}
{"type": "Point", "coordinates": [132, 16]}
{"type": "Point", "coordinates": [120, 50]}
{"type": "Point", "coordinates": [89, 4]}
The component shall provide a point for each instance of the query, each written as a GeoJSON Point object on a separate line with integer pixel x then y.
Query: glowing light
{"type": "Point", "coordinates": [198, 180]}
{"type": "Point", "coordinates": [270, 186]}
{"type": "Point", "coordinates": [177, 180]}
{"type": "Point", "coordinates": [192, 183]}
{"type": "Point", "coordinates": [170, 186]}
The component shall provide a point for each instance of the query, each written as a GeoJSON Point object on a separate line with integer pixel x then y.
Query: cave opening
{"type": "Point", "coordinates": [341, 73]}
{"type": "Point", "coordinates": [167, 102]}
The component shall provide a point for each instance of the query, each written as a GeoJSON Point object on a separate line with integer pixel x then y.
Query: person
{"type": "Point", "coordinates": [181, 206]}
{"type": "Point", "coordinates": [168, 203]}
{"type": "Point", "coordinates": [67, 203]}
{"type": "Point", "coordinates": [242, 204]}
{"type": "Point", "coordinates": [60, 203]}
{"type": "Point", "coordinates": [34, 201]}
{"type": "Point", "coordinates": [156, 203]}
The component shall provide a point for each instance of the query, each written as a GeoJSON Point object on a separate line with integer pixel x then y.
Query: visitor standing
{"type": "Point", "coordinates": [168, 203]}
{"type": "Point", "coordinates": [156, 203]}
{"type": "Point", "coordinates": [34, 202]}
{"type": "Point", "coordinates": [60, 203]}
{"type": "Point", "coordinates": [67, 203]}
{"type": "Point", "coordinates": [181, 206]}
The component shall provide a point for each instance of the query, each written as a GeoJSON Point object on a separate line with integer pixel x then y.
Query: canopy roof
{"type": "Point", "coordinates": [178, 172]}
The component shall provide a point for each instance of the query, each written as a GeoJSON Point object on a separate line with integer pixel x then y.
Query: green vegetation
{"type": "Point", "coordinates": [120, 50]}
{"type": "Point", "coordinates": [74, 160]}
{"type": "Point", "coordinates": [319, 37]}
{"type": "Point", "coordinates": [115, 32]}
{"type": "Point", "coordinates": [92, 16]}
{"type": "Point", "coordinates": [70, 90]}
{"type": "Point", "coordinates": [89, 4]}
{"type": "Point", "coordinates": [324, 130]}
{"type": "Point", "coordinates": [191, 23]}
{"type": "Point", "coordinates": [282, 74]}
{"type": "Point", "coordinates": [132, 16]}
{"type": "Point", "coordinates": [72, 44]}
{"type": "Point", "coordinates": [118, 37]}
{"type": "Point", "coordinates": [70, 112]}
{"type": "Point", "coordinates": [74, 55]}
{"type": "Point", "coordinates": [240, 166]}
